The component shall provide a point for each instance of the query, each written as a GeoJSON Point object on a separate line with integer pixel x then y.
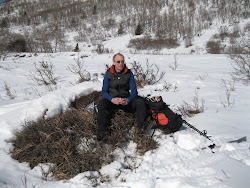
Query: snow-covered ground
{"type": "Point", "coordinates": [178, 162]}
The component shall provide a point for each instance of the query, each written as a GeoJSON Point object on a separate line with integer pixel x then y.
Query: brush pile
{"type": "Point", "coordinates": [68, 141]}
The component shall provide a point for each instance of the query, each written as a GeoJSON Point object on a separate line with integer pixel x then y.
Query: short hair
{"type": "Point", "coordinates": [118, 54]}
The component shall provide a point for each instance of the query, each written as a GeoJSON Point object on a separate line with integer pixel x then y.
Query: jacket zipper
{"type": "Point", "coordinates": [119, 82]}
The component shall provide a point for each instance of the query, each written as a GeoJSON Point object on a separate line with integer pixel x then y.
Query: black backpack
{"type": "Point", "coordinates": [165, 118]}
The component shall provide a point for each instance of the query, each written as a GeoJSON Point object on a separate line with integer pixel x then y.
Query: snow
{"type": "Point", "coordinates": [179, 161]}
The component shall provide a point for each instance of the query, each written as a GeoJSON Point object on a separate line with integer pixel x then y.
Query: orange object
{"type": "Point", "coordinates": [162, 119]}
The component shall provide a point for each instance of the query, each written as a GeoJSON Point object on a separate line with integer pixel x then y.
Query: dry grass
{"type": "Point", "coordinates": [152, 44]}
{"type": "Point", "coordinates": [81, 102]}
{"type": "Point", "coordinates": [57, 140]}
{"type": "Point", "coordinates": [68, 141]}
{"type": "Point", "coordinates": [189, 110]}
{"type": "Point", "coordinates": [124, 129]}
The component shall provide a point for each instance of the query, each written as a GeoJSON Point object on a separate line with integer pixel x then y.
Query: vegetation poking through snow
{"type": "Point", "coordinates": [67, 142]}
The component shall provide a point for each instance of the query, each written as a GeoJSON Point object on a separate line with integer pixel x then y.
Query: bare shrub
{"type": "Point", "coordinates": [3, 55]}
{"type": "Point", "coordinates": [239, 45]}
{"type": "Point", "coordinates": [175, 88]}
{"type": "Point", "coordinates": [77, 68]}
{"type": "Point", "coordinates": [229, 87]}
{"type": "Point", "coordinates": [236, 32]}
{"type": "Point", "coordinates": [224, 33]}
{"type": "Point", "coordinates": [165, 87]}
{"type": "Point", "coordinates": [202, 77]}
{"type": "Point", "coordinates": [68, 141]}
{"type": "Point", "coordinates": [4, 23]}
{"type": "Point", "coordinates": [241, 65]}
{"type": "Point", "coordinates": [188, 41]}
{"type": "Point", "coordinates": [13, 42]}
{"type": "Point", "coordinates": [247, 28]}
{"type": "Point", "coordinates": [235, 49]}
{"type": "Point", "coordinates": [100, 49]}
{"type": "Point", "coordinates": [152, 44]}
{"type": "Point", "coordinates": [44, 75]}
{"type": "Point", "coordinates": [109, 23]}
{"type": "Point", "coordinates": [148, 76]}
{"type": "Point", "coordinates": [241, 61]}
{"type": "Point", "coordinates": [189, 110]}
{"type": "Point", "coordinates": [18, 45]}
{"type": "Point", "coordinates": [11, 94]}
{"type": "Point", "coordinates": [214, 47]}
{"type": "Point", "coordinates": [174, 65]}
{"type": "Point", "coordinates": [41, 40]}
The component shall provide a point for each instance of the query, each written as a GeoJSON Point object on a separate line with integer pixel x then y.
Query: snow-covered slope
{"type": "Point", "coordinates": [179, 161]}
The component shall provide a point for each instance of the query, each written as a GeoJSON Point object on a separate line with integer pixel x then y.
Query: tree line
{"type": "Point", "coordinates": [43, 24]}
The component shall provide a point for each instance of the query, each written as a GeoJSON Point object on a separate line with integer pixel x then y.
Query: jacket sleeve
{"type": "Point", "coordinates": [105, 88]}
{"type": "Point", "coordinates": [133, 89]}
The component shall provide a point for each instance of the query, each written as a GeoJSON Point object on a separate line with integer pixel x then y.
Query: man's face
{"type": "Point", "coordinates": [118, 63]}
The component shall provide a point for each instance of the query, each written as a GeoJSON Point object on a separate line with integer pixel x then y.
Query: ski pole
{"type": "Point", "coordinates": [204, 133]}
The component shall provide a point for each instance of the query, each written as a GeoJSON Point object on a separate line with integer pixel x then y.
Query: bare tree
{"type": "Point", "coordinates": [10, 93]}
{"type": "Point", "coordinates": [147, 76]}
{"type": "Point", "coordinates": [229, 87]}
{"type": "Point", "coordinates": [44, 75]}
{"type": "Point", "coordinates": [241, 62]}
{"type": "Point", "coordinates": [241, 65]}
{"type": "Point", "coordinates": [174, 65]}
{"type": "Point", "coordinates": [78, 68]}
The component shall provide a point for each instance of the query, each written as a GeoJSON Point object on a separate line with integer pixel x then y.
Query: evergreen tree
{"type": "Point", "coordinates": [138, 30]}
{"type": "Point", "coordinates": [4, 23]}
{"type": "Point", "coordinates": [84, 15]}
{"type": "Point", "coordinates": [94, 10]}
{"type": "Point", "coordinates": [120, 30]}
{"type": "Point", "coordinates": [76, 48]}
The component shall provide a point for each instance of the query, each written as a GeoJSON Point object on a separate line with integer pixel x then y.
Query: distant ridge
{"type": "Point", "coordinates": [5, 1]}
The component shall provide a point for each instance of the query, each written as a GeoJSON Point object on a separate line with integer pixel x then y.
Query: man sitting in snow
{"type": "Point", "coordinates": [119, 92]}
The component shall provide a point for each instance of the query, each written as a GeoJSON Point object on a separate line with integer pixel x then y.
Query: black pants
{"type": "Point", "coordinates": [106, 110]}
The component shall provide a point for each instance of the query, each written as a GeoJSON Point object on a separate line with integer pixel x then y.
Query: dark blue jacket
{"type": "Point", "coordinates": [119, 84]}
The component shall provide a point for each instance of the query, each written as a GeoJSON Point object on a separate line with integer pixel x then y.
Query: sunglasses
{"type": "Point", "coordinates": [120, 61]}
{"type": "Point", "coordinates": [156, 99]}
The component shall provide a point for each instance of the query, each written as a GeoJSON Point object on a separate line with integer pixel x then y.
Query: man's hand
{"type": "Point", "coordinates": [116, 100]}
{"type": "Point", "coordinates": [124, 102]}
{"type": "Point", "coordinates": [121, 101]}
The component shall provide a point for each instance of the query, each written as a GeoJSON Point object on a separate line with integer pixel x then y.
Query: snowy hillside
{"type": "Point", "coordinates": [59, 25]}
